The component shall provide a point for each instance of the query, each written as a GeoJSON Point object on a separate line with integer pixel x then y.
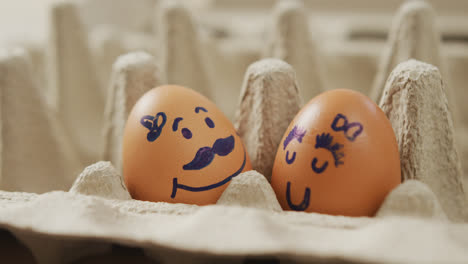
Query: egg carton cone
{"type": "Point", "coordinates": [413, 35]}
{"type": "Point", "coordinates": [290, 41]}
{"type": "Point", "coordinates": [180, 48]}
{"type": "Point", "coordinates": [133, 75]}
{"type": "Point", "coordinates": [63, 198]}
{"type": "Point", "coordinates": [74, 85]}
{"type": "Point", "coordinates": [269, 93]}
{"type": "Point", "coordinates": [416, 104]}
{"type": "Point", "coordinates": [31, 132]}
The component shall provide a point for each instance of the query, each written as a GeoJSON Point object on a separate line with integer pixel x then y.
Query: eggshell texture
{"type": "Point", "coordinates": [338, 156]}
{"type": "Point", "coordinates": [179, 147]}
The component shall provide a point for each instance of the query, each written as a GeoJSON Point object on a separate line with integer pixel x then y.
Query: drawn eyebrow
{"type": "Point", "coordinates": [176, 123]}
{"type": "Point", "coordinates": [325, 141]}
{"type": "Point", "coordinates": [198, 108]}
{"type": "Point", "coordinates": [296, 133]}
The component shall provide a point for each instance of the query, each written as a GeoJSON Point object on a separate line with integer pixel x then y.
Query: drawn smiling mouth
{"type": "Point", "coordinates": [226, 151]}
{"type": "Point", "coordinates": [205, 155]}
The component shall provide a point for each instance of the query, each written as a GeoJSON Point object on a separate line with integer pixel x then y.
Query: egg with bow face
{"type": "Point", "coordinates": [179, 147]}
{"type": "Point", "coordinates": [338, 156]}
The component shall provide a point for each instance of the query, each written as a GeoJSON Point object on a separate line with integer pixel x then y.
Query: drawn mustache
{"type": "Point", "coordinates": [205, 155]}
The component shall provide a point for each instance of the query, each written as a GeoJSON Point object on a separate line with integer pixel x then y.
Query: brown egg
{"type": "Point", "coordinates": [178, 147]}
{"type": "Point", "coordinates": [338, 156]}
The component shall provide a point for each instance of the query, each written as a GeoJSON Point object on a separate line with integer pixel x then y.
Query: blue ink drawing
{"type": "Point", "coordinates": [209, 122]}
{"type": "Point", "coordinates": [151, 123]}
{"type": "Point", "coordinates": [319, 169]}
{"type": "Point", "coordinates": [325, 141]}
{"type": "Point", "coordinates": [296, 133]}
{"type": "Point", "coordinates": [176, 185]}
{"type": "Point", "coordinates": [305, 201]}
{"type": "Point", "coordinates": [290, 160]}
{"type": "Point", "coordinates": [186, 133]}
{"type": "Point", "coordinates": [175, 124]}
{"type": "Point", "coordinates": [346, 127]}
{"type": "Point", "coordinates": [198, 108]}
{"type": "Point", "coordinates": [205, 155]}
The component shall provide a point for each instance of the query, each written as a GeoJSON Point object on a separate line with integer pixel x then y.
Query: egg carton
{"type": "Point", "coordinates": [52, 127]}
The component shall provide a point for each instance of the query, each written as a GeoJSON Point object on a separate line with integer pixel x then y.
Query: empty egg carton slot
{"type": "Point", "coordinates": [49, 135]}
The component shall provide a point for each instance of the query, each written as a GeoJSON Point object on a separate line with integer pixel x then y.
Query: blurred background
{"type": "Point", "coordinates": [348, 40]}
{"type": "Point", "coordinates": [26, 20]}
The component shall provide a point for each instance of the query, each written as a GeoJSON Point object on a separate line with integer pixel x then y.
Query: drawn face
{"type": "Point", "coordinates": [328, 162]}
{"type": "Point", "coordinates": [187, 149]}
{"type": "Point", "coordinates": [322, 141]}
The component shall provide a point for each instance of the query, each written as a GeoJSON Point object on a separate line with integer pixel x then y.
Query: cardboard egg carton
{"type": "Point", "coordinates": [60, 204]}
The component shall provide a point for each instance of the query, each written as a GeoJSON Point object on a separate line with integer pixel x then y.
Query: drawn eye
{"type": "Point", "coordinates": [319, 169]}
{"type": "Point", "coordinates": [290, 160]}
{"type": "Point", "coordinates": [186, 133]}
{"type": "Point", "coordinates": [209, 122]}
{"type": "Point", "coordinates": [325, 141]}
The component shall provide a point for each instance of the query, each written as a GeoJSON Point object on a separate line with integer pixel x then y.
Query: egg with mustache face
{"type": "Point", "coordinates": [178, 147]}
